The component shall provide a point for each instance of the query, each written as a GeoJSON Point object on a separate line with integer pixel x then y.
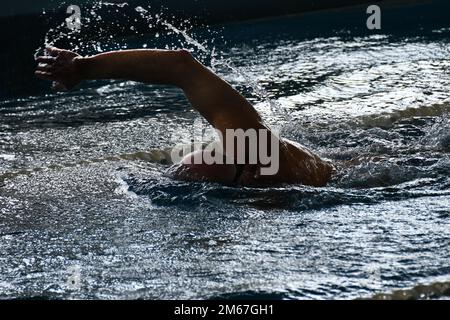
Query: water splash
{"type": "Point", "coordinates": [214, 57]}
{"type": "Point", "coordinates": [92, 17]}
{"type": "Point", "coordinates": [154, 22]}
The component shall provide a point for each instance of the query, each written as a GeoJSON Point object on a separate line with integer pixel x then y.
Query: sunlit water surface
{"type": "Point", "coordinates": [85, 211]}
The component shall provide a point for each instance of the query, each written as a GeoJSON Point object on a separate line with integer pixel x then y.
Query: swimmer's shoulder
{"type": "Point", "coordinates": [304, 165]}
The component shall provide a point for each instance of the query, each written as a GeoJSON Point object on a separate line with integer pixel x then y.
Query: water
{"type": "Point", "coordinates": [85, 211]}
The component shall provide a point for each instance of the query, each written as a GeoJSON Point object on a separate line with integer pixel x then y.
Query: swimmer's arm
{"type": "Point", "coordinates": [215, 99]}
{"type": "Point", "coordinates": [141, 65]}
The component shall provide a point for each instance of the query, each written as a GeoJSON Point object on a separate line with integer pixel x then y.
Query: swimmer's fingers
{"type": "Point", "coordinates": [50, 65]}
{"type": "Point", "coordinates": [44, 75]}
{"type": "Point", "coordinates": [48, 62]}
{"type": "Point", "coordinates": [46, 59]}
{"type": "Point", "coordinates": [45, 67]}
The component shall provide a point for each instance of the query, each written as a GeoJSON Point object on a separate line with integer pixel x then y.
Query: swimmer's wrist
{"type": "Point", "coordinates": [82, 67]}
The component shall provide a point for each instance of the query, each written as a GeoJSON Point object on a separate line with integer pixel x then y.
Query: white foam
{"type": "Point", "coordinates": [7, 157]}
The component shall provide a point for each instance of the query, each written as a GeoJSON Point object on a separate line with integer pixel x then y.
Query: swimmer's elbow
{"type": "Point", "coordinates": [184, 66]}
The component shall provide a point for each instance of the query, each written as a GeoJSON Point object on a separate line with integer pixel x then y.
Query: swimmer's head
{"type": "Point", "coordinates": [196, 167]}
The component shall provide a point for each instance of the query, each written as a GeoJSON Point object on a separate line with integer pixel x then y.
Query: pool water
{"type": "Point", "coordinates": [85, 211]}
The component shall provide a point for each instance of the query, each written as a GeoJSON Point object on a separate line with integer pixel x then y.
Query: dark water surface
{"type": "Point", "coordinates": [85, 211]}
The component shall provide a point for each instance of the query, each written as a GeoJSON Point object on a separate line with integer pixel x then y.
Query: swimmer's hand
{"type": "Point", "coordinates": [60, 67]}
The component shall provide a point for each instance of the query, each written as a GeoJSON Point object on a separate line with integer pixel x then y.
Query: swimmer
{"type": "Point", "coordinates": [216, 100]}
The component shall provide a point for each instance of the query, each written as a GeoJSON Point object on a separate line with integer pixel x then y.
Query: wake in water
{"type": "Point", "coordinates": [408, 160]}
